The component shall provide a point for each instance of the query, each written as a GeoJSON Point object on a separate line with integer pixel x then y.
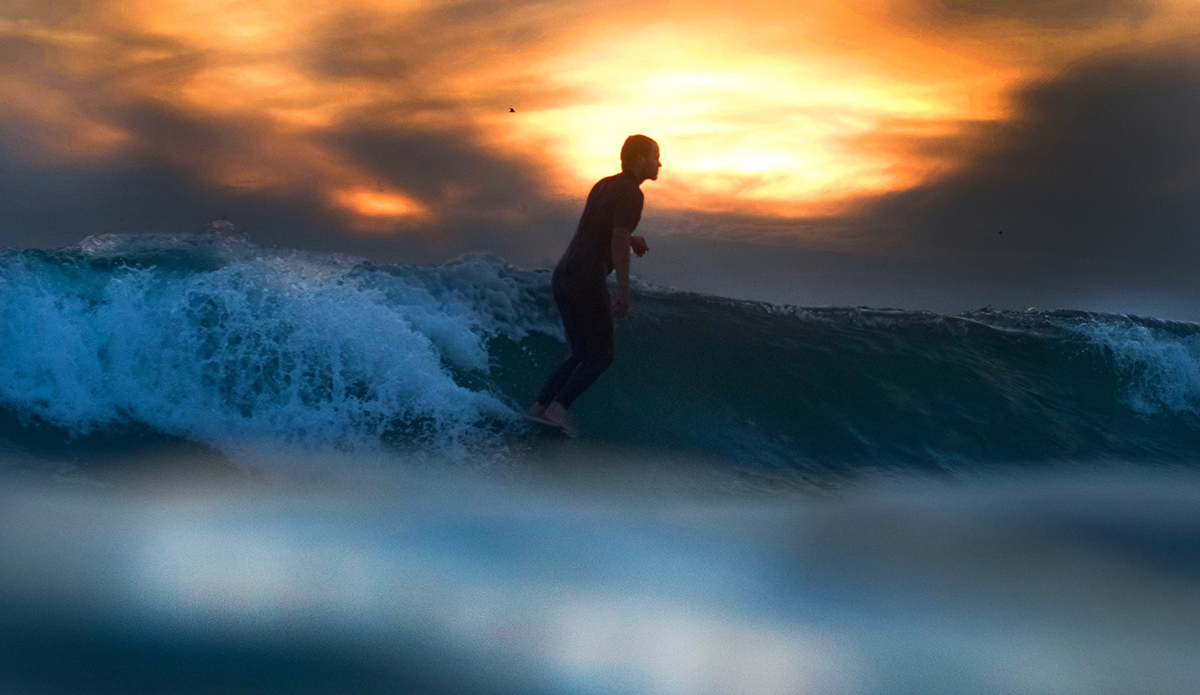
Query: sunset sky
{"type": "Point", "coordinates": [859, 152]}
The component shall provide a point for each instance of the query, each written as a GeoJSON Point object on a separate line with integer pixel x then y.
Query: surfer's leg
{"type": "Point", "coordinates": [595, 336]}
{"type": "Point", "coordinates": [584, 375]}
{"type": "Point", "coordinates": [569, 309]}
{"type": "Point", "coordinates": [589, 357]}
{"type": "Point", "coordinates": [587, 321]}
{"type": "Point", "coordinates": [558, 379]}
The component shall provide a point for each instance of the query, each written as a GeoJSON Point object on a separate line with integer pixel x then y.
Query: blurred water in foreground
{"type": "Point", "coordinates": [609, 576]}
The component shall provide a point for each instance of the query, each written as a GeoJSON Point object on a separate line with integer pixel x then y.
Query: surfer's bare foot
{"type": "Point", "coordinates": [536, 410]}
{"type": "Point", "coordinates": [557, 414]}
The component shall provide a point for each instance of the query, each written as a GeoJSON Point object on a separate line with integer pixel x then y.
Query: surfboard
{"type": "Point", "coordinates": [546, 423]}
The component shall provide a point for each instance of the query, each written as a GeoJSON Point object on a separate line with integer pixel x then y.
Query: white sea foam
{"type": "Point", "coordinates": [283, 347]}
{"type": "Point", "coordinates": [1162, 369]}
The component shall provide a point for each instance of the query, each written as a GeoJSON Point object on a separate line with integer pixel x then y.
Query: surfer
{"type": "Point", "coordinates": [601, 244]}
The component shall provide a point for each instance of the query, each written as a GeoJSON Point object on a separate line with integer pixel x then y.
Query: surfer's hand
{"type": "Point", "coordinates": [620, 305]}
{"type": "Point", "coordinates": [638, 244]}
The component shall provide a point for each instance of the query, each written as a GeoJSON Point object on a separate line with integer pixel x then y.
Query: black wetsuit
{"type": "Point", "coordinates": [581, 289]}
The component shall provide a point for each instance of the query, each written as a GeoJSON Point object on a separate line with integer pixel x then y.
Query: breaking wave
{"type": "Point", "coordinates": [210, 339]}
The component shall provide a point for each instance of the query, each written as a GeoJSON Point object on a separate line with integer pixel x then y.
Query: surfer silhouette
{"type": "Point", "coordinates": [601, 245]}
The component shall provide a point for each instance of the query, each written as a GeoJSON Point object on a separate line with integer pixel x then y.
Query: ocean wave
{"type": "Point", "coordinates": [248, 344]}
{"type": "Point", "coordinates": [208, 338]}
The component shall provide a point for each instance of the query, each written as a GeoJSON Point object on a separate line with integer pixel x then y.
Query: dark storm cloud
{"type": "Point", "coordinates": [157, 186]}
{"type": "Point", "coordinates": [445, 166]}
{"type": "Point", "coordinates": [161, 178]}
{"type": "Point", "coordinates": [73, 89]}
{"type": "Point", "coordinates": [1100, 163]}
{"type": "Point", "coordinates": [1059, 14]}
{"type": "Point", "coordinates": [485, 200]}
{"type": "Point", "coordinates": [430, 41]}
{"type": "Point", "coordinates": [20, 50]}
{"type": "Point", "coordinates": [186, 136]}
{"type": "Point", "coordinates": [408, 53]}
{"type": "Point", "coordinates": [48, 11]}
{"type": "Point", "coordinates": [414, 53]}
{"type": "Point", "coordinates": [51, 203]}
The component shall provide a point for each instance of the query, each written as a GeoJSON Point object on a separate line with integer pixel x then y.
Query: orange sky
{"type": "Point", "coordinates": [768, 108]}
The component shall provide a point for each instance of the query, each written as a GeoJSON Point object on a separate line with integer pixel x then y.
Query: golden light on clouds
{"type": "Point", "coordinates": [747, 131]}
{"type": "Point", "coordinates": [50, 115]}
{"type": "Point", "coordinates": [61, 128]}
{"type": "Point", "coordinates": [776, 108]}
{"type": "Point", "coordinates": [790, 111]}
{"type": "Point", "coordinates": [379, 205]}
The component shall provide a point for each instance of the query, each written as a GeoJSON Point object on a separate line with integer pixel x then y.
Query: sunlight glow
{"type": "Point", "coordinates": [373, 203]}
{"type": "Point", "coordinates": [742, 130]}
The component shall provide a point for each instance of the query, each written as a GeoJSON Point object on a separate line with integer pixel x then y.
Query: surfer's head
{"type": "Point", "coordinates": [639, 156]}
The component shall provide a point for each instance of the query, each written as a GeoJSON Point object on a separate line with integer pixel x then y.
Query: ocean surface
{"type": "Point", "coordinates": [232, 469]}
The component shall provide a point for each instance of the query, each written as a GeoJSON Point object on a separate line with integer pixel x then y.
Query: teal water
{"type": "Point", "coordinates": [209, 339]}
{"type": "Point", "coordinates": [229, 469]}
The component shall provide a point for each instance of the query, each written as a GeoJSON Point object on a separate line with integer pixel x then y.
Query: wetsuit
{"type": "Point", "coordinates": [581, 289]}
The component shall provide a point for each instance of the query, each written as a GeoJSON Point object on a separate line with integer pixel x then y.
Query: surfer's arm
{"type": "Point", "coordinates": [620, 259]}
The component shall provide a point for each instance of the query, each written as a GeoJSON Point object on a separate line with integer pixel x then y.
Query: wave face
{"type": "Point", "coordinates": [209, 339]}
